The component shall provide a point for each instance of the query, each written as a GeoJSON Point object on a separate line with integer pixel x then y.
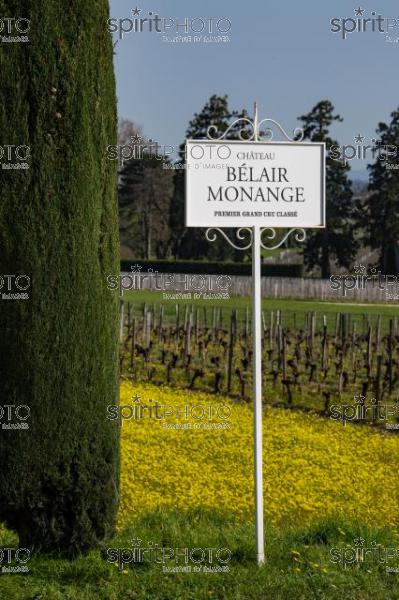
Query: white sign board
{"type": "Point", "coordinates": [245, 184]}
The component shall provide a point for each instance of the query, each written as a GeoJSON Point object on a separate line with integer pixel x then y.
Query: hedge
{"type": "Point", "coordinates": [211, 268]}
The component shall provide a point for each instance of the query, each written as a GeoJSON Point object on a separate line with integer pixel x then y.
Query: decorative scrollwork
{"type": "Point", "coordinates": [269, 133]}
{"type": "Point", "coordinates": [300, 236]}
{"type": "Point", "coordinates": [249, 136]}
{"type": "Point", "coordinates": [256, 132]}
{"type": "Point", "coordinates": [211, 236]}
{"type": "Point", "coordinates": [242, 232]}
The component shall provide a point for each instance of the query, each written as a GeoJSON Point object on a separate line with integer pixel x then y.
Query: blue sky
{"type": "Point", "coordinates": [281, 53]}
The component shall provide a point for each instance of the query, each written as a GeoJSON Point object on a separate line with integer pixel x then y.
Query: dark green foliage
{"type": "Point", "coordinates": [191, 242]}
{"type": "Point", "coordinates": [337, 241]}
{"type": "Point", "coordinates": [212, 268]}
{"type": "Point", "coordinates": [58, 224]}
{"type": "Point", "coordinates": [381, 215]}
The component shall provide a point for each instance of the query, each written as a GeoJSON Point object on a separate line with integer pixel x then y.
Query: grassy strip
{"type": "Point", "coordinates": [287, 307]}
{"type": "Point", "coordinates": [298, 565]}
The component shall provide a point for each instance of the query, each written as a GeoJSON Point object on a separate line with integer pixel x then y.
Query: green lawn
{"type": "Point", "coordinates": [298, 565]}
{"type": "Point", "coordinates": [293, 311]}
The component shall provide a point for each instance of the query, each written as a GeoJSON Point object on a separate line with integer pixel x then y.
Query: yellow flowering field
{"type": "Point", "coordinates": [313, 467]}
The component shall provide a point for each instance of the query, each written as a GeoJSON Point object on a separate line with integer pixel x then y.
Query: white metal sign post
{"type": "Point", "coordinates": [257, 370]}
{"type": "Point", "coordinates": [255, 185]}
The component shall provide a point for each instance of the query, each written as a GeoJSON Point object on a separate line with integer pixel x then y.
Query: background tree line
{"type": "Point", "coordinates": [151, 197]}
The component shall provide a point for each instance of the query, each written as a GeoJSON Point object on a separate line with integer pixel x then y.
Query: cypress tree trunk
{"type": "Point", "coordinates": [58, 225]}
